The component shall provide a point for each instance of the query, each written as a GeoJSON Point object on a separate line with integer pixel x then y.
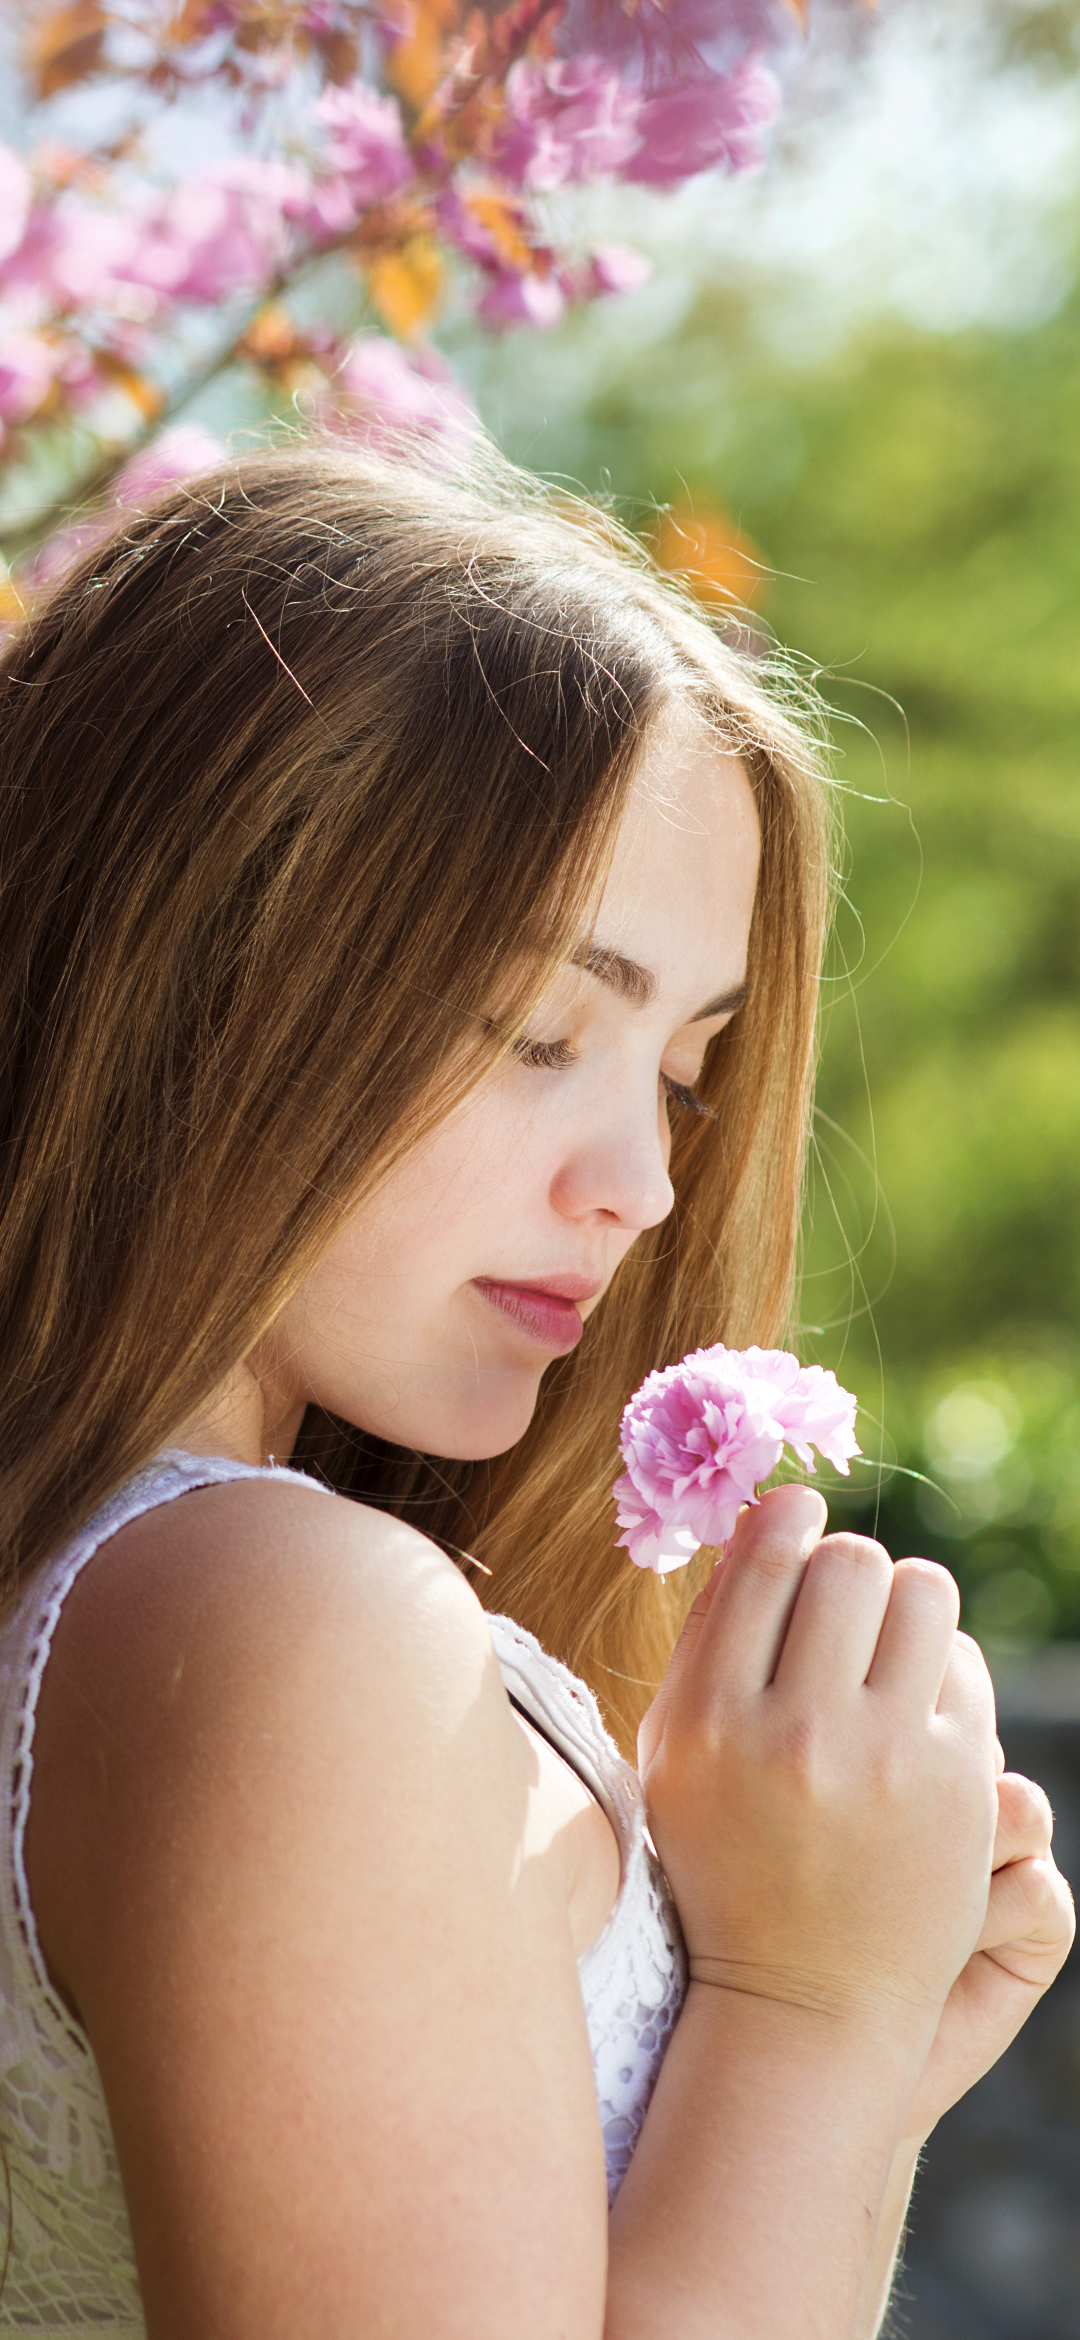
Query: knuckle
{"type": "Point", "coordinates": [929, 1580]}
{"type": "Point", "coordinates": [968, 1665]}
{"type": "Point", "coordinates": [1036, 1881]}
{"type": "Point", "coordinates": [800, 1754]}
{"type": "Point", "coordinates": [1025, 1805]}
{"type": "Point", "coordinates": [778, 1561]}
{"type": "Point", "coordinates": [861, 1550]}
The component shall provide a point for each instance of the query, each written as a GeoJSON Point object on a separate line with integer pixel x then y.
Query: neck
{"type": "Point", "coordinates": [238, 1422]}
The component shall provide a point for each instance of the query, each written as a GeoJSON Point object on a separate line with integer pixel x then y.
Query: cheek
{"type": "Point", "coordinates": [463, 1179]}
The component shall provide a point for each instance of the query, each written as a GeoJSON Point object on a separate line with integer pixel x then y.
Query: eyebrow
{"type": "Point", "coordinates": [639, 985]}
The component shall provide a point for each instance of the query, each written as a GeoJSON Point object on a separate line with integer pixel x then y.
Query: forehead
{"type": "Point", "coordinates": [680, 890]}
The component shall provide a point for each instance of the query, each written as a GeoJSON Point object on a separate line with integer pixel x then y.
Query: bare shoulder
{"type": "Point", "coordinates": [278, 1860]}
{"type": "Point", "coordinates": [251, 1565]}
{"type": "Point", "coordinates": [250, 1619]}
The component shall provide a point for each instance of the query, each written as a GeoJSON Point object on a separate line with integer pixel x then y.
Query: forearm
{"type": "Point", "coordinates": [753, 2202]}
{"type": "Point", "coordinates": [890, 2235]}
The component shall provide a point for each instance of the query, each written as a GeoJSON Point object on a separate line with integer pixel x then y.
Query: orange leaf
{"type": "Point", "coordinates": [188, 22]}
{"type": "Point", "coordinates": [270, 337]}
{"type": "Point", "coordinates": [415, 65]}
{"type": "Point", "coordinates": [502, 219]}
{"type": "Point", "coordinates": [143, 394]}
{"type": "Point", "coordinates": [719, 563]}
{"type": "Point", "coordinates": [339, 54]}
{"type": "Point", "coordinates": [406, 286]}
{"type": "Point", "coordinates": [67, 47]}
{"type": "Point", "coordinates": [12, 605]}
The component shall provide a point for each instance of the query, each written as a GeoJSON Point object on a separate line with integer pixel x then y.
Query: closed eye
{"type": "Point", "coordinates": [687, 1097]}
{"type": "Point", "coordinates": [544, 1055]}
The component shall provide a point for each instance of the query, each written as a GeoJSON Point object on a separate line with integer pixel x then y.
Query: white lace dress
{"type": "Point", "coordinates": [70, 2267]}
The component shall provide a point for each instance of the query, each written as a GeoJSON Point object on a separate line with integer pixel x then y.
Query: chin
{"type": "Point", "coordinates": [481, 1440]}
{"type": "Point", "coordinates": [477, 1426]}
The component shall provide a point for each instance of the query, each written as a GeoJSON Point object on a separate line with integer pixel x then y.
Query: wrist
{"type": "Point", "coordinates": [866, 2010]}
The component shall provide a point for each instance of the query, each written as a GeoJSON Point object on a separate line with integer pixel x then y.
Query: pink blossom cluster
{"type": "Point", "coordinates": [431, 132]}
{"type": "Point", "coordinates": [570, 122]}
{"type": "Point", "coordinates": [181, 452]}
{"type": "Point", "coordinates": [698, 1438]}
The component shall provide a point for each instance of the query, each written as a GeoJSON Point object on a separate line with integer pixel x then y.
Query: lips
{"type": "Point", "coordinates": [548, 1314]}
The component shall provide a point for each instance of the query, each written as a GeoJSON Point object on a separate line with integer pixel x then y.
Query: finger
{"type": "Point", "coordinates": [837, 1617]}
{"type": "Point", "coordinates": [743, 1633]}
{"type": "Point", "coordinates": [1025, 1821]}
{"type": "Point", "coordinates": [1029, 1903]}
{"type": "Point", "coordinates": [999, 1757]}
{"type": "Point", "coordinates": [967, 1692]}
{"type": "Point", "coordinates": [652, 1722]}
{"type": "Point", "coordinates": [917, 1633]}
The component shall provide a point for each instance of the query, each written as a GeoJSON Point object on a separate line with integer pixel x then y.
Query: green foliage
{"type": "Point", "coordinates": [919, 499]}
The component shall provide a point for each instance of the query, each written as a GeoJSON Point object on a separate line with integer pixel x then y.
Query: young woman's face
{"type": "Point", "coordinates": [433, 1315]}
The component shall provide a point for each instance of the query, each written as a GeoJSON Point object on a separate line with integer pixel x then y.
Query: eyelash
{"type": "Point", "coordinates": [554, 1055]}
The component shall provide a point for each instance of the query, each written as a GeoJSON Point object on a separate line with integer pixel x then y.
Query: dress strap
{"type": "Point", "coordinates": [565, 1712]}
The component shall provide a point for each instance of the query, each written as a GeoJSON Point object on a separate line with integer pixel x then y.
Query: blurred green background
{"type": "Point", "coordinates": [916, 499]}
{"type": "Point", "coordinates": [919, 500]}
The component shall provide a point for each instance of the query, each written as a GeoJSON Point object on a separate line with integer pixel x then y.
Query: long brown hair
{"type": "Point", "coordinates": [296, 770]}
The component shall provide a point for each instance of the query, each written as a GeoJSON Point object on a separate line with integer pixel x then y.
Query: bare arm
{"type": "Point", "coordinates": [820, 1774]}
{"type": "Point", "coordinates": [281, 1863]}
{"type": "Point", "coordinates": [853, 1998]}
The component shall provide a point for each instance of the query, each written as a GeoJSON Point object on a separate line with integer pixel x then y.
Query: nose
{"type": "Point", "coordinates": [618, 1167]}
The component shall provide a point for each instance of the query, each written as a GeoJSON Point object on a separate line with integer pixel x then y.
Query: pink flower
{"type": "Point", "coordinates": [180, 453]}
{"type": "Point", "coordinates": [365, 143]}
{"type": "Point", "coordinates": [698, 1438]}
{"type": "Point", "coordinates": [660, 36]}
{"type": "Point", "coordinates": [226, 228]}
{"type": "Point", "coordinates": [713, 118]}
{"type": "Point", "coordinates": [615, 268]}
{"type": "Point", "coordinates": [68, 255]}
{"type": "Point", "coordinates": [28, 369]}
{"type": "Point", "coordinates": [381, 394]}
{"type": "Point", "coordinates": [566, 123]}
{"type": "Point", "coordinates": [522, 300]}
{"type": "Point", "coordinates": [14, 200]}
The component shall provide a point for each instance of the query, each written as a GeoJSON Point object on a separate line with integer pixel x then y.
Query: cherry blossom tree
{"type": "Point", "coordinates": [414, 144]}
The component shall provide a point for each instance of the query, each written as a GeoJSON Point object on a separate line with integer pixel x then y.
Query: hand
{"type": "Point", "coordinates": [820, 1774]}
{"type": "Point", "coordinates": [1026, 1938]}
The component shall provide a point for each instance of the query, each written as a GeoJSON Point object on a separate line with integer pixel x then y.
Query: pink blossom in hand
{"type": "Point", "coordinates": [714, 118]}
{"type": "Point", "coordinates": [698, 1438]}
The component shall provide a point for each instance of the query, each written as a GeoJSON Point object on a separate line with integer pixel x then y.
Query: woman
{"type": "Point", "coordinates": [385, 858]}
